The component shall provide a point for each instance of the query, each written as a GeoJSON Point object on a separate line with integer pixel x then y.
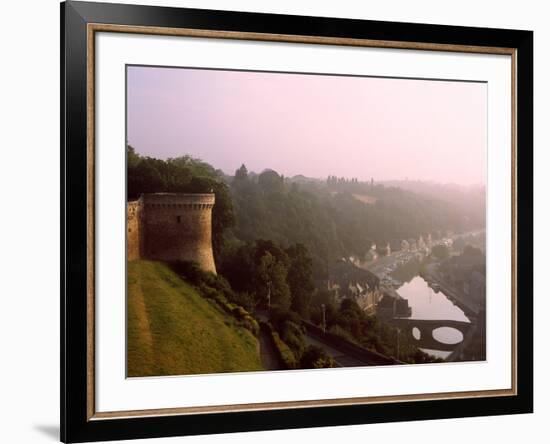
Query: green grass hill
{"type": "Point", "coordinates": [173, 330]}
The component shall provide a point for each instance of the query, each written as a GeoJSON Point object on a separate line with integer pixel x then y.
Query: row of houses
{"type": "Point", "coordinates": [348, 281]}
{"type": "Point", "coordinates": [422, 244]}
{"type": "Point", "coordinates": [364, 287]}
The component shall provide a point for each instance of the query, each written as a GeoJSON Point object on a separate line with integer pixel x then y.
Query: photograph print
{"type": "Point", "coordinates": [282, 221]}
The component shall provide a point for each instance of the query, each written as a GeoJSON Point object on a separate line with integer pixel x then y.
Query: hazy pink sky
{"type": "Point", "coordinates": [311, 124]}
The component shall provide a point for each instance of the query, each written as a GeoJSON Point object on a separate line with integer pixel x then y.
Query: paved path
{"type": "Point", "coordinates": [268, 354]}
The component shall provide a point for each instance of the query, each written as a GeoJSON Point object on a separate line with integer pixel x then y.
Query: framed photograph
{"type": "Point", "coordinates": [275, 221]}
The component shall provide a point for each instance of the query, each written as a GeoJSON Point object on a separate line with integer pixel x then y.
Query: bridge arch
{"type": "Point", "coordinates": [426, 327]}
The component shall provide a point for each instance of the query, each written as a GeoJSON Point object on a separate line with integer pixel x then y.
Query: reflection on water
{"type": "Point", "coordinates": [427, 304]}
{"type": "Point", "coordinates": [436, 353]}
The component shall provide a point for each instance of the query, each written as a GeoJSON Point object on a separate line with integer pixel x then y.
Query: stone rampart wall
{"type": "Point", "coordinates": [173, 227]}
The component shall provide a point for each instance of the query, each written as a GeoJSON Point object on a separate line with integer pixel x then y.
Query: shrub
{"type": "Point", "coordinates": [217, 289]}
{"type": "Point", "coordinates": [340, 332]}
{"type": "Point", "coordinates": [293, 335]}
{"type": "Point", "coordinates": [211, 293]}
{"type": "Point", "coordinates": [251, 324]}
{"type": "Point", "coordinates": [315, 357]}
{"type": "Point", "coordinates": [285, 353]}
{"type": "Point", "coordinates": [192, 273]}
{"type": "Point", "coordinates": [245, 300]}
{"type": "Point", "coordinates": [278, 317]}
{"type": "Point", "coordinates": [239, 312]}
{"type": "Point", "coordinates": [188, 270]}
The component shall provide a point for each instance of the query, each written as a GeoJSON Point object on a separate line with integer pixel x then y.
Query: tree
{"type": "Point", "coordinates": [271, 277]}
{"type": "Point", "coordinates": [440, 251]}
{"type": "Point", "coordinates": [238, 266]}
{"type": "Point", "coordinates": [132, 158]}
{"type": "Point", "coordinates": [241, 173]}
{"type": "Point", "coordinates": [300, 278]}
{"type": "Point", "coordinates": [268, 246]}
{"type": "Point", "coordinates": [271, 182]}
{"type": "Point", "coordinates": [471, 251]}
{"type": "Point", "coordinates": [351, 306]}
{"type": "Point", "coordinates": [459, 244]}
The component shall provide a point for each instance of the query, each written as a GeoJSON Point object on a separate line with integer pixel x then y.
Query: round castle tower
{"type": "Point", "coordinates": [178, 226]}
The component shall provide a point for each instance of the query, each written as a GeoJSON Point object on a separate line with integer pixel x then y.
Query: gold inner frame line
{"type": "Point", "coordinates": [92, 28]}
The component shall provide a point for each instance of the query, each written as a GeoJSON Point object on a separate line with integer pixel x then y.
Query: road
{"type": "Point", "coordinates": [270, 358]}
{"type": "Point", "coordinates": [385, 266]}
{"type": "Point", "coordinates": [341, 359]}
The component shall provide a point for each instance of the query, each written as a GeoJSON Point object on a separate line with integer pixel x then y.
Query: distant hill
{"type": "Point", "coordinates": [173, 330]}
{"type": "Point", "coordinates": [442, 191]}
{"type": "Point", "coordinates": [300, 178]}
{"type": "Point", "coordinates": [468, 200]}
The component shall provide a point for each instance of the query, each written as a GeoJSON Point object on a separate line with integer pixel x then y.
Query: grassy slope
{"type": "Point", "coordinates": [172, 330]}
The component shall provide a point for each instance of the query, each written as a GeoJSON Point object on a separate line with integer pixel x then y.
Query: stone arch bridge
{"type": "Point", "coordinates": [426, 328]}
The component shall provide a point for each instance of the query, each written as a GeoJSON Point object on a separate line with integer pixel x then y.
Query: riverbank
{"type": "Point", "coordinates": [433, 277]}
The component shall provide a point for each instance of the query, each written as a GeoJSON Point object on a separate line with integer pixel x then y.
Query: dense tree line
{"type": "Point", "coordinates": [329, 218]}
{"type": "Point", "coordinates": [326, 218]}
{"type": "Point", "coordinates": [271, 275]}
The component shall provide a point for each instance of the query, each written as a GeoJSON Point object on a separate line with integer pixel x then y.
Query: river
{"type": "Point", "coordinates": [427, 304]}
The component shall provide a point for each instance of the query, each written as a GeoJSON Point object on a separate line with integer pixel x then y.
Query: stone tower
{"type": "Point", "coordinates": [173, 226]}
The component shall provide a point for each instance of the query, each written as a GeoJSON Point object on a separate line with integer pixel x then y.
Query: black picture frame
{"type": "Point", "coordinates": [75, 423]}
